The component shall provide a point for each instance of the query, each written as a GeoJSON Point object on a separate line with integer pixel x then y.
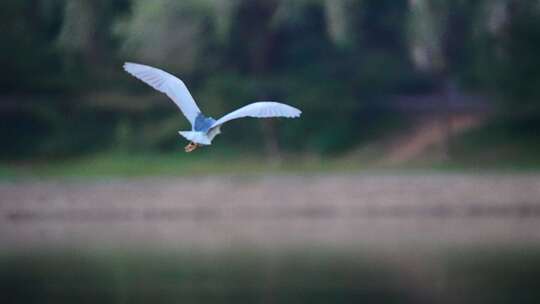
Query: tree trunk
{"type": "Point", "coordinates": [260, 61]}
{"type": "Point", "coordinates": [271, 142]}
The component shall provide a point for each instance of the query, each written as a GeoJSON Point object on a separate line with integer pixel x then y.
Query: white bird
{"type": "Point", "coordinates": [203, 129]}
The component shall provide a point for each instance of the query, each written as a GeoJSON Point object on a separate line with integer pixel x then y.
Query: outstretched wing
{"type": "Point", "coordinates": [168, 84]}
{"type": "Point", "coordinates": [263, 109]}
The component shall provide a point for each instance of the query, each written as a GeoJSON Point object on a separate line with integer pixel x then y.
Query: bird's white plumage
{"type": "Point", "coordinates": [262, 109]}
{"type": "Point", "coordinates": [178, 92]}
{"type": "Point", "coordinates": [168, 84]}
{"type": "Point", "coordinates": [197, 137]}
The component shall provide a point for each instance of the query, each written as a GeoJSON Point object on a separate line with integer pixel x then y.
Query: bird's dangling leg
{"type": "Point", "coordinates": [191, 147]}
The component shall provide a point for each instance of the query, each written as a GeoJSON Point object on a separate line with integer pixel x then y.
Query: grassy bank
{"type": "Point", "coordinates": [180, 164]}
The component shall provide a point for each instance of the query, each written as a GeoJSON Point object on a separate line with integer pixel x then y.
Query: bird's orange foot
{"type": "Point", "coordinates": [191, 147]}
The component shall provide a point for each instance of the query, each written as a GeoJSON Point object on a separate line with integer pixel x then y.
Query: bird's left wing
{"type": "Point", "coordinates": [262, 109]}
{"type": "Point", "coordinates": [168, 84]}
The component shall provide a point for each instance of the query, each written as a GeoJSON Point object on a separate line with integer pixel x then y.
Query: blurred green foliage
{"type": "Point", "coordinates": [63, 92]}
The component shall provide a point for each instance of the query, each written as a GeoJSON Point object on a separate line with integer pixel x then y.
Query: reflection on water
{"type": "Point", "coordinates": [303, 276]}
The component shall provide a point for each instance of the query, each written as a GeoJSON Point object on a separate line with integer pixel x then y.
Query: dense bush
{"type": "Point", "coordinates": [64, 92]}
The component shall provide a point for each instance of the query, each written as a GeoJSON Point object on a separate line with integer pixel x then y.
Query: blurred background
{"type": "Point", "coordinates": [411, 176]}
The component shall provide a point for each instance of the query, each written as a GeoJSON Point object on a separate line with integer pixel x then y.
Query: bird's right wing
{"type": "Point", "coordinates": [168, 84]}
{"type": "Point", "coordinates": [262, 109]}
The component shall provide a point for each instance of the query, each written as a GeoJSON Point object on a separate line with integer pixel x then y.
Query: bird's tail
{"type": "Point", "coordinates": [196, 137]}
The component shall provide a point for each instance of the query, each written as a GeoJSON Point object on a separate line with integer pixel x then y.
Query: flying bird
{"type": "Point", "coordinates": [203, 128]}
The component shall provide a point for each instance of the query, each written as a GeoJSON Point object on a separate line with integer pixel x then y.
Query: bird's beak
{"type": "Point", "coordinates": [191, 147]}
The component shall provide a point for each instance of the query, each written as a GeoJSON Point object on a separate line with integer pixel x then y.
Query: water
{"type": "Point", "coordinates": [303, 276]}
{"type": "Point", "coordinates": [292, 239]}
